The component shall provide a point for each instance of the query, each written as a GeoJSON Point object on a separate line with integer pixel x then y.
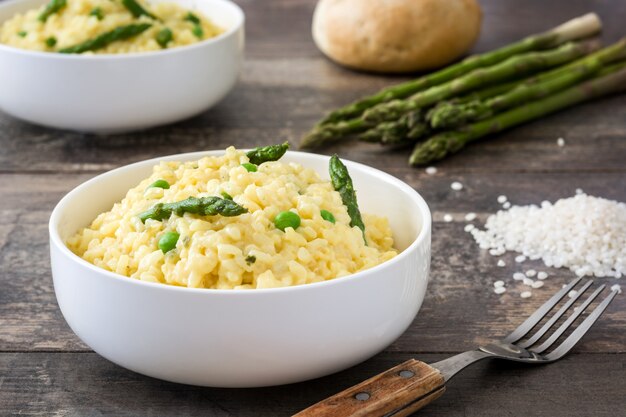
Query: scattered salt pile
{"type": "Point", "coordinates": [584, 233]}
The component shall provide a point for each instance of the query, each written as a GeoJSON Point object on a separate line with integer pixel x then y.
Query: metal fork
{"type": "Point", "coordinates": [411, 385]}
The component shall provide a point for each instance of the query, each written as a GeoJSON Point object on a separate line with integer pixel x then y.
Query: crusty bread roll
{"type": "Point", "coordinates": [395, 35]}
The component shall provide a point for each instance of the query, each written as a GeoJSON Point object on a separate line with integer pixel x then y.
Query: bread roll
{"type": "Point", "coordinates": [395, 35]}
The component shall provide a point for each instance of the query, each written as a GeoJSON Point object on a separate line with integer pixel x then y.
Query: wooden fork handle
{"type": "Point", "coordinates": [397, 392]}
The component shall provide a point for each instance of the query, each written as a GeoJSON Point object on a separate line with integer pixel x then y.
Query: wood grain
{"type": "Point", "coordinates": [285, 86]}
{"type": "Point", "coordinates": [400, 391]}
{"type": "Point", "coordinates": [84, 384]}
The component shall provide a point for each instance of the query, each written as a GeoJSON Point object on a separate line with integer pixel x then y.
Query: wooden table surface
{"type": "Point", "coordinates": [285, 85]}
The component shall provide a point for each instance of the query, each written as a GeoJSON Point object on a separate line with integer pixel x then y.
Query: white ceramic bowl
{"type": "Point", "coordinates": [123, 92]}
{"type": "Point", "coordinates": [242, 338]}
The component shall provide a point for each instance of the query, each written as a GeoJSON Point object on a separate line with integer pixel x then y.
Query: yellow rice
{"type": "Point", "coordinates": [73, 25]}
{"type": "Point", "coordinates": [216, 251]}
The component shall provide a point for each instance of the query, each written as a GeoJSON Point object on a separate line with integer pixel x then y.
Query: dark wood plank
{"type": "Point", "coordinates": [87, 385]}
{"type": "Point", "coordinates": [462, 274]}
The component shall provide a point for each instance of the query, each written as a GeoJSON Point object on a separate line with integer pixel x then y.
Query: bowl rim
{"type": "Point", "coordinates": [55, 238]}
{"type": "Point", "coordinates": [239, 24]}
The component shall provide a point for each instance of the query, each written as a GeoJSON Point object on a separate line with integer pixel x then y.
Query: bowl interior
{"type": "Point", "coordinates": [378, 193]}
{"type": "Point", "coordinates": [223, 13]}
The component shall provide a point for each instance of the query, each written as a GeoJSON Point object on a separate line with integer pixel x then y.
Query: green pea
{"type": "Point", "coordinates": [250, 259]}
{"type": "Point", "coordinates": [164, 37]}
{"type": "Point", "coordinates": [167, 242]}
{"type": "Point", "coordinates": [328, 216]}
{"type": "Point", "coordinates": [22, 33]}
{"type": "Point", "coordinates": [160, 184]}
{"type": "Point", "coordinates": [286, 219]}
{"type": "Point", "coordinates": [97, 13]}
{"type": "Point", "coordinates": [51, 41]}
{"type": "Point", "coordinates": [249, 167]}
{"type": "Point", "coordinates": [192, 18]}
{"type": "Point", "coordinates": [226, 195]}
{"type": "Point", "coordinates": [198, 31]}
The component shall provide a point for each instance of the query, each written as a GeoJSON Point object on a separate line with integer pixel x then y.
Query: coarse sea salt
{"type": "Point", "coordinates": [431, 170]}
{"type": "Point", "coordinates": [542, 275]}
{"type": "Point", "coordinates": [616, 287]}
{"type": "Point", "coordinates": [501, 263]}
{"type": "Point", "coordinates": [456, 186]}
{"type": "Point", "coordinates": [499, 290]}
{"type": "Point", "coordinates": [583, 233]}
{"type": "Point", "coordinates": [447, 218]}
{"type": "Point", "coordinates": [526, 294]}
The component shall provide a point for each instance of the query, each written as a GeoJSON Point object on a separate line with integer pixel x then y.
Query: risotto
{"type": "Point", "coordinates": [282, 225]}
{"type": "Point", "coordinates": [106, 27]}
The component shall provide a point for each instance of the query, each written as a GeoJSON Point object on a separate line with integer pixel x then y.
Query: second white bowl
{"type": "Point", "coordinates": [124, 92]}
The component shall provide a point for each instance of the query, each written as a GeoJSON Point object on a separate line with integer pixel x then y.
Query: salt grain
{"type": "Point", "coordinates": [560, 142]}
{"type": "Point", "coordinates": [531, 273]}
{"type": "Point", "coordinates": [502, 199]}
{"type": "Point", "coordinates": [506, 205]}
{"type": "Point", "coordinates": [537, 284]}
{"type": "Point", "coordinates": [498, 284]}
{"type": "Point", "coordinates": [470, 216]}
{"type": "Point", "coordinates": [431, 170]}
{"type": "Point", "coordinates": [456, 186]}
{"type": "Point", "coordinates": [447, 218]}
{"type": "Point", "coordinates": [583, 233]}
{"type": "Point", "coordinates": [525, 294]}
{"type": "Point", "coordinates": [528, 281]}
{"type": "Point", "coordinates": [501, 263]}
{"type": "Point", "coordinates": [469, 227]}
{"type": "Point", "coordinates": [518, 276]}
{"type": "Point", "coordinates": [520, 258]}
{"type": "Point", "coordinates": [579, 191]}
{"type": "Point", "coordinates": [499, 290]}
{"type": "Point", "coordinates": [572, 293]}
{"type": "Point", "coordinates": [542, 275]}
{"type": "Point", "coordinates": [617, 288]}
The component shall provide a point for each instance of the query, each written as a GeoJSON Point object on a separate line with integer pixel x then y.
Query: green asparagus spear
{"type": "Point", "coordinates": [51, 8]}
{"type": "Point", "coordinates": [408, 130]}
{"type": "Point", "coordinates": [396, 132]}
{"type": "Point", "coordinates": [267, 153]}
{"type": "Point", "coordinates": [137, 10]}
{"type": "Point", "coordinates": [101, 41]}
{"type": "Point", "coordinates": [457, 114]}
{"type": "Point", "coordinates": [206, 206]}
{"type": "Point", "coordinates": [342, 183]}
{"type": "Point", "coordinates": [514, 66]}
{"type": "Point", "coordinates": [443, 144]}
{"type": "Point", "coordinates": [581, 27]}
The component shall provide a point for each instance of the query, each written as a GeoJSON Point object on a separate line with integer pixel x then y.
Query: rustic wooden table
{"type": "Point", "coordinates": [286, 84]}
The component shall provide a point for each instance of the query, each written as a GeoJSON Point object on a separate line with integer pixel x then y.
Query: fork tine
{"type": "Point", "coordinates": [553, 338]}
{"type": "Point", "coordinates": [539, 314]}
{"type": "Point", "coordinates": [554, 318]}
{"type": "Point", "coordinates": [577, 334]}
